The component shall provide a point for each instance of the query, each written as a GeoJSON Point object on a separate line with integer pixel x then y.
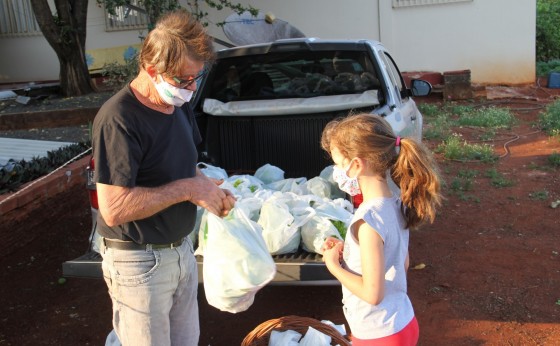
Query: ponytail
{"type": "Point", "coordinates": [415, 173]}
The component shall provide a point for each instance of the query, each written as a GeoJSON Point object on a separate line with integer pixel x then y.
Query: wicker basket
{"type": "Point", "coordinates": [261, 334]}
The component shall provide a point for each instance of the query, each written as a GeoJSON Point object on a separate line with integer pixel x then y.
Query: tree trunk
{"type": "Point", "coordinates": [74, 73]}
{"type": "Point", "coordinates": [66, 33]}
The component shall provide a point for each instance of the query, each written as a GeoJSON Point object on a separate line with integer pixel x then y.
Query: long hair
{"type": "Point", "coordinates": [411, 165]}
{"type": "Point", "coordinates": [177, 35]}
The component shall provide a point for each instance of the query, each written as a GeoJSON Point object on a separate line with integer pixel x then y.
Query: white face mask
{"type": "Point", "coordinates": [171, 94]}
{"type": "Point", "coordinates": [345, 183]}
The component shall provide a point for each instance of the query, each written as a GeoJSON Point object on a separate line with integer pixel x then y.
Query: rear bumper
{"type": "Point", "coordinates": [300, 268]}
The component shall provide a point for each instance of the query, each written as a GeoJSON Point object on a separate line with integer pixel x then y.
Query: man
{"type": "Point", "coordinates": [148, 185]}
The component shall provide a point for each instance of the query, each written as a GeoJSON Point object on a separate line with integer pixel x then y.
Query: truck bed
{"type": "Point", "coordinates": [299, 268]}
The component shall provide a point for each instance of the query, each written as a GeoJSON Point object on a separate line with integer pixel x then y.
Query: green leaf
{"type": "Point", "coordinates": [340, 227]}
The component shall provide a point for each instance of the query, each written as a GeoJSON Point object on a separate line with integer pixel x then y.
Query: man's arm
{"type": "Point", "coordinates": [119, 204]}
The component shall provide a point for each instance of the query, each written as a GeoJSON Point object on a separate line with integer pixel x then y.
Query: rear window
{"type": "Point", "coordinates": [292, 75]}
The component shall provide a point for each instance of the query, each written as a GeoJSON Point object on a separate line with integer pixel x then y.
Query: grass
{"type": "Point", "coordinates": [462, 183]}
{"type": "Point", "coordinates": [457, 149]}
{"type": "Point", "coordinates": [438, 124]}
{"type": "Point", "coordinates": [554, 160]}
{"type": "Point", "coordinates": [439, 127]}
{"type": "Point", "coordinates": [468, 115]}
{"type": "Point", "coordinates": [539, 195]}
{"type": "Point", "coordinates": [549, 120]}
{"type": "Point", "coordinates": [487, 117]}
{"type": "Point", "coordinates": [441, 119]}
{"type": "Point", "coordinates": [497, 179]}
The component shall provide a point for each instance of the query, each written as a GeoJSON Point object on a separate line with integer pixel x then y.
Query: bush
{"type": "Point", "coordinates": [544, 68]}
{"type": "Point", "coordinates": [548, 30]}
{"type": "Point", "coordinates": [117, 75]}
{"type": "Point", "coordinates": [16, 173]}
{"type": "Point", "coordinates": [549, 120]}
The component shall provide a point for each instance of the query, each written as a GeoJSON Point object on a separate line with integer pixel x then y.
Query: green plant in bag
{"type": "Point", "coordinates": [340, 227]}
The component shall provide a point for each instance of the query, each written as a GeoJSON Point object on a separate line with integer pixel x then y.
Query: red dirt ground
{"type": "Point", "coordinates": [491, 275]}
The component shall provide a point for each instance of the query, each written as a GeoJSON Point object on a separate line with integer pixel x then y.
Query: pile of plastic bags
{"type": "Point", "coordinates": [291, 212]}
{"type": "Point", "coordinates": [272, 216]}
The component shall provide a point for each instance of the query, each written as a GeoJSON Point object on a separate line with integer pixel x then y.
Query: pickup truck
{"type": "Point", "coordinates": [268, 104]}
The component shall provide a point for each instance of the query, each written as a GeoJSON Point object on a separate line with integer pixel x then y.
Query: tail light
{"type": "Point", "coordinates": [90, 184]}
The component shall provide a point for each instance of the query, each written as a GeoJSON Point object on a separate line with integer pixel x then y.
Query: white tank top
{"type": "Point", "coordinates": [395, 311]}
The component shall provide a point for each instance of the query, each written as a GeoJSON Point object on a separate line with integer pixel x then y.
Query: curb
{"type": "Point", "coordinates": [47, 119]}
{"type": "Point", "coordinates": [40, 190]}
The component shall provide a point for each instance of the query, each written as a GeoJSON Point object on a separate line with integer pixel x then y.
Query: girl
{"type": "Point", "coordinates": [371, 263]}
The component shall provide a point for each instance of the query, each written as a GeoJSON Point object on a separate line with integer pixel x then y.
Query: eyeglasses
{"type": "Point", "coordinates": [185, 83]}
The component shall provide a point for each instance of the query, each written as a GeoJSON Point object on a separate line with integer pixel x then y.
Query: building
{"type": "Point", "coordinates": [495, 40]}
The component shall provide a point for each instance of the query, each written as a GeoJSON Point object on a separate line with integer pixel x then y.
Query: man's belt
{"type": "Point", "coordinates": [130, 245]}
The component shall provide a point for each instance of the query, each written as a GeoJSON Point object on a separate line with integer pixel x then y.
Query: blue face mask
{"type": "Point", "coordinates": [345, 183]}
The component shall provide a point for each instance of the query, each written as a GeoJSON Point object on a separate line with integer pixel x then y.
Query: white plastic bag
{"type": "Point", "coordinates": [326, 174]}
{"type": "Point", "coordinates": [314, 233]}
{"type": "Point", "coordinates": [112, 339]}
{"type": "Point", "coordinates": [194, 234]}
{"type": "Point", "coordinates": [319, 187]}
{"type": "Point", "coordinates": [202, 233]}
{"type": "Point", "coordinates": [341, 328]}
{"type": "Point", "coordinates": [281, 225]}
{"type": "Point", "coordinates": [331, 220]}
{"type": "Point", "coordinates": [295, 185]}
{"type": "Point", "coordinates": [336, 210]}
{"type": "Point", "coordinates": [236, 262]}
{"type": "Point", "coordinates": [285, 338]}
{"type": "Point", "coordinates": [244, 185]}
{"type": "Point", "coordinates": [269, 173]}
{"type": "Point", "coordinates": [313, 337]}
{"type": "Point", "coordinates": [212, 171]}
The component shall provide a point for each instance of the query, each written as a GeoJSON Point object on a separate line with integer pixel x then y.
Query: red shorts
{"type": "Point", "coordinates": [406, 337]}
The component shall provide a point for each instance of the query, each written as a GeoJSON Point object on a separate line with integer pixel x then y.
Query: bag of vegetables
{"type": "Point", "coordinates": [331, 220]}
{"type": "Point", "coordinates": [236, 261]}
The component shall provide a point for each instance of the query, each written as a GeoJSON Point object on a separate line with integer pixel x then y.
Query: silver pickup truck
{"type": "Point", "coordinates": [268, 104]}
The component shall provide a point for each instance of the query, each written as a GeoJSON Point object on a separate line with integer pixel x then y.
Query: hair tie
{"type": "Point", "coordinates": [398, 142]}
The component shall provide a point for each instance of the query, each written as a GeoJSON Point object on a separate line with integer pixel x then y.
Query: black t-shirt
{"type": "Point", "coordinates": [134, 145]}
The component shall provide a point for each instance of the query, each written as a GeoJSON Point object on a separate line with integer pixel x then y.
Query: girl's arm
{"type": "Point", "coordinates": [371, 285]}
{"type": "Point", "coordinates": [406, 262]}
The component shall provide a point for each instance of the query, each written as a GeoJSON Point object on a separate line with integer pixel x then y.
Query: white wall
{"type": "Point", "coordinates": [494, 39]}
{"type": "Point", "coordinates": [27, 59]}
{"type": "Point", "coordinates": [316, 18]}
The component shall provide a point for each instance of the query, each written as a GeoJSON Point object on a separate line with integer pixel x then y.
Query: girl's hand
{"type": "Point", "coordinates": [332, 251]}
{"type": "Point", "coordinates": [330, 242]}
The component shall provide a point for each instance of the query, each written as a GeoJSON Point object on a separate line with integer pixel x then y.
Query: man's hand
{"type": "Point", "coordinates": [228, 201]}
{"type": "Point", "coordinates": [205, 193]}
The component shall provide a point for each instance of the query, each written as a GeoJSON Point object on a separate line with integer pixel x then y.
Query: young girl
{"type": "Point", "coordinates": [371, 263]}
